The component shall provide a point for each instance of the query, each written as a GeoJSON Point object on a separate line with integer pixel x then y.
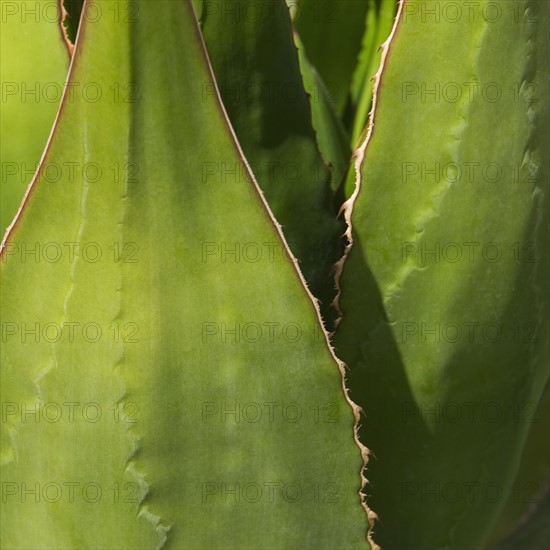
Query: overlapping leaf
{"type": "Point", "coordinates": [378, 25]}
{"type": "Point", "coordinates": [184, 396]}
{"type": "Point", "coordinates": [444, 293]}
{"type": "Point", "coordinates": [332, 33]}
{"type": "Point", "coordinates": [331, 135]}
{"type": "Point", "coordinates": [270, 111]}
{"type": "Point", "coordinates": [34, 65]}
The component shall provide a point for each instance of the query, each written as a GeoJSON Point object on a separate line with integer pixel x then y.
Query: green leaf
{"type": "Point", "coordinates": [331, 135]}
{"type": "Point", "coordinates": [161, 425]}
{"type": "Point", "coordinates": [533, 533]}
{"type": "Point", "coordinates": [331, 32]}
{"type": "Point", "coordinates": [270, 111]}
{"type": "Point", "coordinates": [445, 308]}
{"type": "Point", "coordinates": [34, 63]}
{"type": "Point", "coordinates": [367, 52]}
{"type": "Point", "coordinates": [378, 25]}
{"type": "Point", "coordinates": [530, 489]}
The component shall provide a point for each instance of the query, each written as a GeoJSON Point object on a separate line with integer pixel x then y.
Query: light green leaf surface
{"type": "Point", "coordinates": [34, 63]}
{"type": "Point", "coordinates": [270, 111]}
{"type": "Point", "coordinates": [332, 32]}
{"type": "Point", "coordinates": [155, 424]}
{"type": "Point", "coordinates": [444, 293]}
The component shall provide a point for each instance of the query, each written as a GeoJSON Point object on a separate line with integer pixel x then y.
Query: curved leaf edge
{"type": "Point", "coordinates": [63, 23]}
{"type": "Point", "coordinates": [359, 154]}
{"type": "Point", "coordinates": [75, 52]}
{"type": "Point", "coordinates": [63, 14]}
{"type": "Point", "coordinates": [347, 210]}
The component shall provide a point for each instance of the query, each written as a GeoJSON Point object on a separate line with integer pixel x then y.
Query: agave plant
{"type": "Point", "coordinates": [276, 277]}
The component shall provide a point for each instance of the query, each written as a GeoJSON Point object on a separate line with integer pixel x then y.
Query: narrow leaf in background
{"type": "Point", "coordinates": [270, 111]}
{"type": "Point", "coordinates": [378, 25]}
{"type": "Point", "coordinates": [332, 32]}
{"type": "Point", "coordinates": [331, 135]}
{"type": "Point", "coordinates": [35, 60]}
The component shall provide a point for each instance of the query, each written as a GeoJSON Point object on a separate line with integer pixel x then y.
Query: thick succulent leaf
{"type": "Point", "coordinates": [184, 397]}
{"type": "Point", "coordinates": [331, 135]}
{"type": "Point", "coordinates": [34, 63]}
{"type": "Point", "coordinates": [332, 32]}
{"type": "Point", "coordinates": [270, 112]}
{"type": "Point", "coordinates": [444, 292]}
